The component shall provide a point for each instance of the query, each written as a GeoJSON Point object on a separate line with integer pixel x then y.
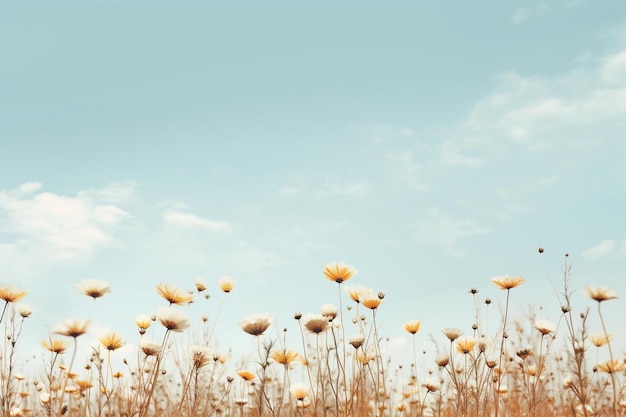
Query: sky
{"type": "Point", "coordinates": [431, 145]}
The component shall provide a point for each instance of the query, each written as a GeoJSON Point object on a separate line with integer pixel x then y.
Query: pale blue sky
{"type": "Point", "coordinates": [432, 145]}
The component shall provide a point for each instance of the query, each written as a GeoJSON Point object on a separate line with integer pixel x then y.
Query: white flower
{"type": "Point", "coordinates": [255, 324]}
{"type": "Point", "coordinates": [172, 319]}
{"type": "Point", "coordinates": [329, 310]}
{"type": "Point", "coordinates": [94, 288]}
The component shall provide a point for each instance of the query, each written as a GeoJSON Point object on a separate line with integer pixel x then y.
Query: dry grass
{"type": "Point", "coordinates": [520, 367]}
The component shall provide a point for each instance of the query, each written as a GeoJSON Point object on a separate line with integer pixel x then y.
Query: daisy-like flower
{"type": "Point", "coordinates": [506, 282]}
{"type": "Point", "coordinates": [356, 340]}
{"type": "Point", "coordinates": [94, 288]}
{"type": "Point", "coordinates": [200, 355]}
{"type": "Point", "coordinates": [465, 345]}
{"type": "Point", "coordinates": [246, 375]}
{"type": "Point", "coordinates": [284, 356]}
{"type": "Point", "coordinates": [599, 340]}
{"type": "Point", "coordinates": [143, 321]}
{"type": "Point", "coordinates": [149, 347]}
{"type": "Point", "coordinates": [370, 299]}
{"type": "Point", "coordinates": [431, 385]}
{"type": "Point", "coordinates": [10, 294]}
{"type": "Point", "coordinates": [452, 333]}
{"type": "Point", "coordinates": [255, 324]}
{"type": "Point", "coordinates": [329, 311]}
{"type": "Point", "coordinates": [226, 284]}
{"type": "Point", "coordinates": [355, 291]}
{"type": "Point", "coordinates": [24, 310]}
{"type": "Point", "coordinates": [442, 359]}
{"type": "Point", "coordinates": [600, 293]}
{"type": "Point", "coordinates": [174, 295]}
{"type": "Point", "coordinates": [610, 367]}
{"type": "Point", "coordinates": [315, 323]}
{"type": "Point", "coordinates": [73, 328]}
{"type": "Point", "coordinates": [57, 346]}
{"type": "Point", "coordinates": [201, 284]}
{"type": "Point", "coordinates": [544, 326]}
{"type": "Point", "coordinates": [339, 272]}
{"type": "Point", "coordinates": [173, 319]}
{"type": "Point", "coordinates": [111, 341]}
{"type": "Point", "coordinates": [412, 326]}
{"type": "Point", "coordinates": [299, 390]}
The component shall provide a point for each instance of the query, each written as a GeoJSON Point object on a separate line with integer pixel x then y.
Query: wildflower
{"type": "Point", "coordinates": [284, 356]}
{"type": "Point", "coordinates": [111, 341]}
{"type": "Point", "coordinates": [83, 385]}
{"type": "Point", "coordinates": [364, 357]}
{"type": "Point", "coordinates": [431, 385]}
{"type": "Point", "coordinates": [143, 321]}
{"type": "Point", "coordinates": [356, 340]}
{"type": "Point", "coordinates": [401, 407]}
{"type": "Point", "coordinates": [600, 293]}
{"type": "Point", "coordinates": [600, 339]}
{"type": "Point", "coordinates": [355, 291]}
{"type": "Point", "coordinates": [304, 403]}
{"type": "Point", "coordinates": [173, 319]}
{"type": "Point", "coordinates": [149, 347]}
{"type": "Point", "coordinates": [57, 346]}
{"type": "Point", "coordinates": [44, 397]}
{"type": "Point", "coordinates": [329, 311]}
{"type": "Point", "coordinates": [339, 272]}
{"type": "Point", "coordinates": [442, 359]}
{"type": "Point", "coordinates": [226, 284]}
{"type": "Point", "coordinates": [506, 282]}
{"type": "Point", "coordinates": [118, 375]}
{"type": "Point", "coordinates": [255, 324]}
{"type": "Point", "coordinates": [370, 300]}
{"type": "Point", "coordinates": [10, 294]}
{"type": "Point", "coordinates": [246, 375]}
{"type": "Point", "coordinates": [200, 355]}
{"type": "Point", "coordinates": [241, 401]}
{"type": "Point", "coordinates": [299, 390]}
{"type": "Point", "coordinates": [568, 382]}
{"type": "Point", "coordinates": [94, 288]}
{"type": "Point", "coordinates": [412, 326]}
{"type": "Point", "coordinates": [174, 295]}
{"type": "Point", "coordinates": [465, 345]}
{"type": "Point", "coordinates": [452, 333]}
{"type": "Point", "coordinates": [201, 284]}
{"type": "Point", "coordinates": [23, 310]}
{"type": "Point", "coordinates": [610, 367]}
{"type": "Point", "coordinates": [16, 412]}
{"type": "Point", "coordinates": [73, 328]}
{"type": "Point", "coordinates": [544, 326]}
{"type": "Point", "coordinates": [315, 323]}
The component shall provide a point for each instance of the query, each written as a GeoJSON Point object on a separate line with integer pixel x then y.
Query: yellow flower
{"type": "Point", "coordinates": [284, 356]}
{"type": "Point", "coordinates": [94, 288]}
{"type": "Point", "coordinates": [600, 339]}
{"type": "Point", "coordinates": [111, 341]}
{"type": "Point", "coordinates": [143, 321]}
{"type": "Point", "coordinates": [355, 291]}
{"type": "Point", "coordinates": [600, 293]}
{"type": "Point", "coordinates": [73, 328]}
{"type": "Point", "coordinates": [10, 294]}
{"type": "Point", "coordinates": [255, 325]}
{"type": "Point", "coordinates": [506, 282]}
{"type": "Point", "coordinates": [226, 284]}
{"type": "Point", "coordinates": [339, 272]}
{"type": "Point", "coordinates": [412, 326]}
{"type": "Point", "coordinates": [370, 299]}
{"type": "Point", "coordinates": [246, 375]}
{"type": "Point", "coordinates": [610, 367]}
{"type": "Point", "coordinates": [173, 294]}
{"type": "Point", "coordinates": [465, 345]}
{"type": "Point", "coordinates": [200, 284]}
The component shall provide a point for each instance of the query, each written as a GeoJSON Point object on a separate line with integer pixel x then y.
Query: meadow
{"type": "Point", "coordinates": [505, 364]}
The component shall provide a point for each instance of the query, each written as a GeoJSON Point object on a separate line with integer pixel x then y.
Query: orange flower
{"type": "Point", "coordinates": [111, 341]}
{"type": "Point", "coordinates": [10, 294]}
{"type": "Point", "coordinates": [339, 272]}
{"type": "Point", "coordinates": [173, 294]}
{"type": "Point", "coordinates": [412, 326]}
{"type": "Point", "coordinates": [94, 288]}
{"type": "Point", "coordinates": [73, 328]}
{"type": "Point", "coordinates": [284, 356]}
{"type": "Point", "coordinates": [246, 375]}
{"type": "Point", "coordinates": [610, 367]}
{"type": "Point", "coordinates": [506, 282]}
{"type": "Point", "coordinates": [600, 293]}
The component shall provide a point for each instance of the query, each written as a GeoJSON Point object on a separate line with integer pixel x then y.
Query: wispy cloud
{"type": "Point", "coordinates": [343, 189]}
{"type": "Point", "coordinates": [525, 13]}
{"type": "Point", "coordinates": [402, 167]}
{"type": "Point", "coordinates": [604, 249]}
{"type": "Point", "coordinates": [192, 221]}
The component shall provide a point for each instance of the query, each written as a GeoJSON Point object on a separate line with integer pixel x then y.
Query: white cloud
{"type": "Point", "coordinates": [604, 249]}
{"type": "Point", "coordinates": [451, 154]}
{"type": "Point", "coordinates": [523, 14]}
{"type": "Point", "coordinates": [290, 190]}
{"type": "Point", "coordinates": [51, 227]}
{"type": "Point", "coordinates": [348, 189]}
{"type": "Point", "coordinates": [191, 221]}
{"type": "Point", "coordinates": [402, 167]}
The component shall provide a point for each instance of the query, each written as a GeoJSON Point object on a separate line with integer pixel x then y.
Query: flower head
{"type": "Point", "coordinates": [201, 284]}
{"type": "Point", "coordinates": [173, 319]}
{"type": "Point", "coordinates": [370, 299]}
{"type": "Point", "coordinates": [339, 272]}
{"type": "Point", "coordinates": [173, 294]}
{"type": "Point", "coordinates": [226, 284]}
{"type": "Point", "coordinates": [143, 321]}
{"type": "Point", "coordinates": [356, 340]}
{"type": "Point", "coordinates": [57, 346]}
{"type": "Point", "coordinates": [506, 282]}
{"type": "Point", "coordinates": [149, 347]}
{"type": "Point", "coordinates": [24, 310]}
{"type": "Point", "coordinates": [94, 288]}
{"type": "Point", "coordinates": [412, 326]}
{"type": "Point", "coordinates": [73, 328]}
{"type": "Point", "coordinates": [600, 339]}
{"type": "Point", "coordinates": [246, 375]}
{"type": "Point", "coordinates": [329, 311]}
{"type": "Point", "coordinates": [255, 324]}
{"type": "Point", "coordinates": [284, 356]}
{"type": "Point", "coordinates": [544, 326]}
{"type": "Point", "coordinates": [355, 291]}
{"type": "Point", "coordinates": [600, 293]}
{"type": "Point", "coordinates": [10, 294]}
{"type": "Point", "coordinates": [299, 390]}
{"type": "Point", "coordinates": [315, 323]}
{"type": "Point", "coordinates": [111, 341]}
{"type": "Point", "coordinates": [200, 355]}
{"type": "Point", "coordinates": [465, 345]}
{"type": "Point", "coordinates": [611, 366]}
{"type": "Point", "coordinates": [452, 333]}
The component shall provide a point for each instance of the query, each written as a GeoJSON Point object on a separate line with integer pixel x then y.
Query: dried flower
{"type": "Point", "coordinates": [506, 282]}
{"type": "Point", "coordinates": [255, 324]}
{"type": "Point", "coordinates": [356, 340]}
{"type": "Point", "coordinates": [465, 345]}
{"type": "Point", "coordinates": [600, 293]}
{"type": "Point", "coordinates": [284, 356]}
{"type": "Point", "coordinates": [544, 326]}
{"type": "Point", "coordinates": [10, 294]}
{"type": "Point", "coordinates": [452, 333]}
{"type": "Point", "coordinates": [173, 319]}
{"type": "Point", "coordinates": [149, 347]}
{"type": "Point", "coordinates": [73, 328]}
{"type": "Point", "coordinates": [299, 390]}
{"type": "Point", "coordinates": [246, 375]}
{"type": "Point", "coordinates": [94, 288]}
{"type": "Point", "coordinates": [57, 346]}
{"type": "Point", "coordinates": [329, 311]}
{"type": "Point", "coordinates": [226, 284]}
{"type": "Point", "coordinates": [600, 339]}
{"type": "Point", "coordinates": [315, 323]}
{"type": "Point", "coordinates": [111, 341]}
{"type": "Point", "coordinates": [200, 355]}
{"type": "Point", "coordinates": [201, 284]}
{"type": "Point", "coordinates": [412, 326]}
{"type": "Point", "coordinates": [611, 366]}
{"type": "Point", "coordinates": [174, 295]}
{"type": "Point", "coordinates": [339, 272]}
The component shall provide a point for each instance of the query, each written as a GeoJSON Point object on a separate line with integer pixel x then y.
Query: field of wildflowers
{"type": "Point", "coordinates": [501, 365]}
